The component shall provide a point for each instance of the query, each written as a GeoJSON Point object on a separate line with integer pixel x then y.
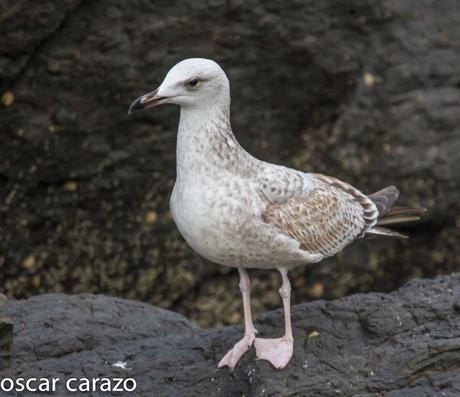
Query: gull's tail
{"type": "Point", "coordinates": [389, 215]}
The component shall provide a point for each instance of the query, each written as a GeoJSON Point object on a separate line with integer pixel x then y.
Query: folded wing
{"type": "Point", "coordinates": [326, 218]}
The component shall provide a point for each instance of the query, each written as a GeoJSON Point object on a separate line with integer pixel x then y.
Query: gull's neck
{"type": "Point", "coordinates": [206, 145]}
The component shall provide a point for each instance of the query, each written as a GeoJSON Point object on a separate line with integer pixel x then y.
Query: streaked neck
{"type": "Point", "coordinates": [206, 145]}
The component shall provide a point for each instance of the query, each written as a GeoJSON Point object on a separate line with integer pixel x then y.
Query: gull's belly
{"type": "Point", "coordinates": [222, 224]}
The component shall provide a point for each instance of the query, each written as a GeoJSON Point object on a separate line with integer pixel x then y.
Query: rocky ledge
{"type": "Point", "coordinates": [406, 343]}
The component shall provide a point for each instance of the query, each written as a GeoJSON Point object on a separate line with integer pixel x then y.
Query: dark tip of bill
{"type": "Point", "coordinates": [136, 105]}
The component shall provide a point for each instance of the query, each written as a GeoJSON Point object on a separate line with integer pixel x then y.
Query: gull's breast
{"type": "Point", "coordinates": [212, 216]}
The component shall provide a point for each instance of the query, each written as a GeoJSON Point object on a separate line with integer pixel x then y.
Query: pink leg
{"type": "Point", "coordinates": [279, 350]}
{"type": "Point", "coordinates": [233, 356]}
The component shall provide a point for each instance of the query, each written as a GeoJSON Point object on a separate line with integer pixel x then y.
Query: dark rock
{"type": "Point", "coordinates": [365, 91]}
{"type": "Point", "coordinates": [402, 344]}
{"type": "Point", "coordinates": [6, 338]}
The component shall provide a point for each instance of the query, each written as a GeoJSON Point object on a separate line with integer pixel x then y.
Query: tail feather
{"type": "Point", "coordinates": [400, 215]}
{"type": "Point", "coordinates": [394, 211]}
{"type": "Point", "coordinates": [391, 220]}
{"type": "Point", "coordinates": [389, 215]}
{"type": "Point", "coordinates": [383, 231]}
{"type": "Point", "coordinates": [385, 198]}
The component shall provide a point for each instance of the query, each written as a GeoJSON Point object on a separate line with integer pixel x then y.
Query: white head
{"type": "Point", "coordinates": [192, 83]}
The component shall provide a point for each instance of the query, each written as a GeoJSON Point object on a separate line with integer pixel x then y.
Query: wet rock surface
{"type": "Point", "coordinates": [406, 343]}
{"type": "Point", "coordinates": [365, 91]}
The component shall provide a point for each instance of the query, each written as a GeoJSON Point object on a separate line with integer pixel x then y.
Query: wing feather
{"type": "Point", "coordinates": [324, 219]}
{"type": "Point", "coordinates": [371, 212]}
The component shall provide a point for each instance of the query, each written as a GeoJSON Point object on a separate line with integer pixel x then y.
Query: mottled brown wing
{"type": "Point", "coordinates": [324, 220]}
{"type": "Point", "coordinates": [370, 213]}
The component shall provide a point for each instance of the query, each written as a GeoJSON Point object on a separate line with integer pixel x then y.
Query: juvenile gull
{"type": "Point", "coordinates": [238, 211]}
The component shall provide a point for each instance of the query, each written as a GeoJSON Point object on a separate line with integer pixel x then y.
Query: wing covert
{"type": "Point", "coordinates": [324, 220]}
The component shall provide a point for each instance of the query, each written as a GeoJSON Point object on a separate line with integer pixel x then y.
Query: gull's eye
{"type": "Point", "coordinates": [192, 82]}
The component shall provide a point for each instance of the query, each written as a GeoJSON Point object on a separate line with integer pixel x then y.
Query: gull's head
{"type": "Point", "coordinates": [194, 82]}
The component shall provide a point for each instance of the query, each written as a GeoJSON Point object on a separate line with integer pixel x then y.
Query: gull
{"type": "Point", "coordinates": [238, 211]}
